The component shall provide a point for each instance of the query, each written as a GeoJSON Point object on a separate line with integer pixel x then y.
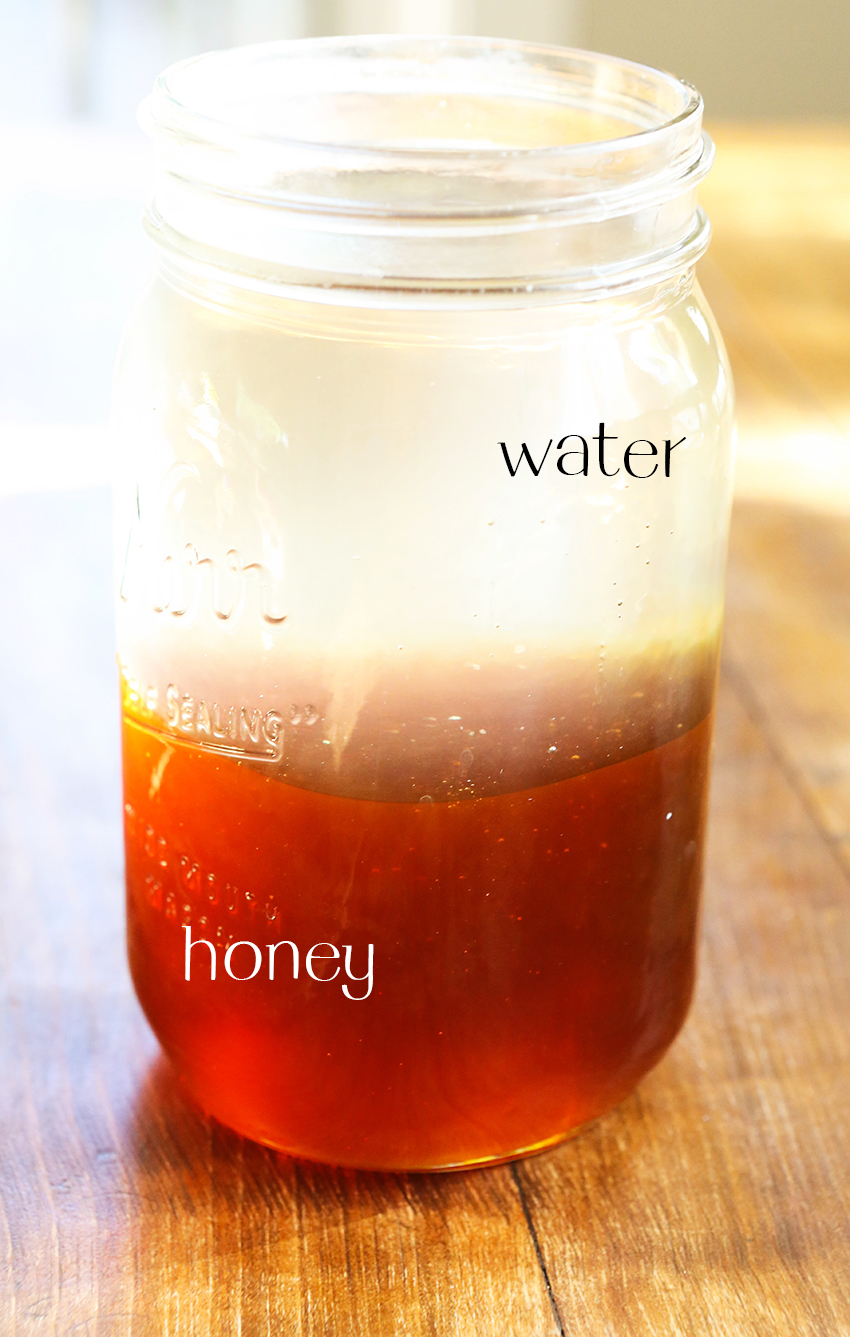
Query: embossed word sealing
{"type": "Point", "coordinates": [321, 951]}
{"type": "Point", "coordinates": [234, 731]}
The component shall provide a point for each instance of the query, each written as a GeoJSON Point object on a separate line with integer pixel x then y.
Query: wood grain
{"type": "Point", "coordinates": [778, 279]}
{"type": "Point", "coordinates": [779, 199]}
{"type": "Point", "coordinates": [715, 1201]}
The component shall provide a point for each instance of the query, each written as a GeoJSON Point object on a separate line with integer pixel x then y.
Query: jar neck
{"type": "Point", "coordinates": [562, 256]}
{"type": "Point", "coordinates": [272, 297]}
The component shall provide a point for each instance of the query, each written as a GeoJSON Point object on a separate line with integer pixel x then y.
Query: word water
{"type": "Point", "coordinates": [640, 459]}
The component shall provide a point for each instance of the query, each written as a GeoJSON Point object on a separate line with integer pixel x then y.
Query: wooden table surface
{"type": "Point", "coordinates": [716, 1199]}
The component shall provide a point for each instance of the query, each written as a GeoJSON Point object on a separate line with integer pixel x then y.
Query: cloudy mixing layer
{"type": "Point", "coordinates": [331, 526]}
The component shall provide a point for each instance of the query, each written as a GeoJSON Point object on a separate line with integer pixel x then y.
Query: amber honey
{"type": "Point", "coordinates": [533, 951]}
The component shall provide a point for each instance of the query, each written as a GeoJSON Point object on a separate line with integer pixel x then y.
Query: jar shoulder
{"type": "Point", "coordinates": [674, 324]}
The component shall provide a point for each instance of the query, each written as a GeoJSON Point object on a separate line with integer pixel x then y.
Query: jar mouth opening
{"type": "Point", "coordinates": [426, 127]}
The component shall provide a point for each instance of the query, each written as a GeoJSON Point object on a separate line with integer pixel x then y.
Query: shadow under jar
{"type": "Point", "coordinates": [425, 447]}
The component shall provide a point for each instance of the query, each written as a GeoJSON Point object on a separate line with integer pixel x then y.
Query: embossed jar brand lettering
{"type": "Point", "coordinates": [175, 584]}
{"type": "Point", "coordinates": [170, 575]}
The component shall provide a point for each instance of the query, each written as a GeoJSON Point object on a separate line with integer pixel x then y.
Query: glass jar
{"type": "Point", "coordinates": [425, 436]}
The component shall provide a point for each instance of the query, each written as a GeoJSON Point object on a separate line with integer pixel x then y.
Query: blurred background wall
{"type": "Point", "coordinates": [76, 169]}
{"type": "Point", "coordinates": [782, 59]}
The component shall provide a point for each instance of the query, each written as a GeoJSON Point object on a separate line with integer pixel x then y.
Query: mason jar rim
{"type": "Point", "coordinates": [164, 111]}
{"type": "Point", "coordinates": [169, 113]}
{"type": "Point", "coordinates": [310, 136]}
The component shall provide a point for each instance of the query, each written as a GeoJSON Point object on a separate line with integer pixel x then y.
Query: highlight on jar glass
{"type": "Point", "coordinates": [425, 451]}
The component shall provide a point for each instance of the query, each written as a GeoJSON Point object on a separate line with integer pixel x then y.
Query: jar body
{"type": "Point", "coordinates": [418, 623]}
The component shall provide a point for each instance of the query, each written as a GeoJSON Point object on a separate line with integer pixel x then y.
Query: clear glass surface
{"type": "Point", "coordinates": [420, 599]}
